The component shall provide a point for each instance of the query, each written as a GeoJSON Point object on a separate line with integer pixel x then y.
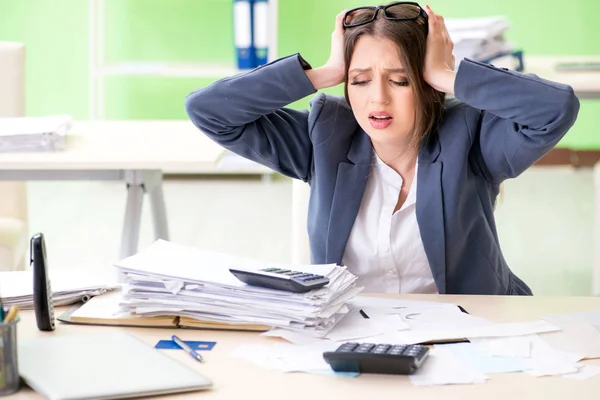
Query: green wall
{"type": "Point", "coordinates": [56, 35]}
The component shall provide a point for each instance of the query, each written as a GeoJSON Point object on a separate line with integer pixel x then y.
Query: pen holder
{"type": "Point", "coordinates": [9, 368]}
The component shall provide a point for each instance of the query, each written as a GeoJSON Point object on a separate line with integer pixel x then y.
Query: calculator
{"type": "Point", "coordinates": [374, 358]}
{"type": "Point", "coordinates": [281, 279]}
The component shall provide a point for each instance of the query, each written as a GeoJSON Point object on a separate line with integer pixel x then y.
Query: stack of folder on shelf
{"type": "Point", "coordinates": [68, 287]}
{"type": "Point", "coordinates": [178, 285]}
{"type": "Point", "coordinates": [197, 286]}
{"type": "Point", "coordinates": [481, 39]}
{"type": "Point", "coordinates": [29, 134]}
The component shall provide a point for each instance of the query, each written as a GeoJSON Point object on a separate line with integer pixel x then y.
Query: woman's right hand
{"type": "Point", "coordinates": [333, 71]}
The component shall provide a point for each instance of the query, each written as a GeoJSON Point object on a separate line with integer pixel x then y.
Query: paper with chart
{"type": "Point", "coordinates": [171, 279]}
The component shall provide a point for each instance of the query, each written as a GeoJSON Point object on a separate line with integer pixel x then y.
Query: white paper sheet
{"type": "Point", "coordinates": [548, 361]}
{"type": "Point", "coordinates": [485, 363]}
{"type": "Point", "coordinates": [68, 286]}
{"type": "Point", "coordinates": [585, 372]}
{"type": "Point", "coordinates": [355, 326]}
{"type": "Point", "coordinates": [578, 337]}
{"type": "Point", "coordinates": [290, 358]}
{"type": "Point", "coordinates": [443, 368]}
{"type": "Point", "coordinates": [512, 346]}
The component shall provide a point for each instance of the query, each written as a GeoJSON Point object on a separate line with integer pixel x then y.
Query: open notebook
{"type": "Point", "coordinates": [105, 310]}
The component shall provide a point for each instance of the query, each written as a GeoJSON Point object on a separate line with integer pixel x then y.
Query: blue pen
{"type": "Point", "coordinates": [187, 348]}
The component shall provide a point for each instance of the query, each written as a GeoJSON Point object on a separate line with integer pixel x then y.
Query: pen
{"type": "Point", "coordinates": [187, 348]}
{"type": "Point", "coordinates": [1, 311]}
{"type": "Point", "coordinates": [11, 314]}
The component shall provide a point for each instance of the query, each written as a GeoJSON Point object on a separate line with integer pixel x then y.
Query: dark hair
{"type": "Point", "coordinates": [410, 37]}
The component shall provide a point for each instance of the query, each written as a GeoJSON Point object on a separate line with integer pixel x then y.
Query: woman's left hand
{"type": "Point", "coordinates": [439, 62]}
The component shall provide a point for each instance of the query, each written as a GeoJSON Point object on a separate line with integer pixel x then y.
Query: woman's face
{"type": "Point", "coordinates": [379, 93]}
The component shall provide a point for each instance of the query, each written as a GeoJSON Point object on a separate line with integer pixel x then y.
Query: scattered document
{"type": "Point", "coordinates": [46, 133]}
{"type": "Point", "coordinates": [354, 325]}
{"type": "Point", "coordinates": [290, 358]}
{"type": "Point", "coordinates": [171, 279]}
{"type": "Point", "coordinates": [480, 361]}
{"type": "Point", "coordinates": [548, 361]}
{"type": "Point", "coordinates": [584, 372]}
{"type": "Point", "coordinates": [418, 335]}
{"type": "Point", "coordinates": [68, 286]}
{"type": "Point", "coordinates": [591, 317]}
{"type": "Point", "coordinates": [442, 367]}
{"type": "Point", "coordinates": [579, 338]}
{"type": "Point", "coordinates": [511, 346]}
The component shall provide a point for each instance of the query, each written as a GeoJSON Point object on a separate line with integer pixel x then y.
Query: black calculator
{"type": "Point", "coordinates": [377, 358]}
{"type": "Point", "coordinates": [281, 279]}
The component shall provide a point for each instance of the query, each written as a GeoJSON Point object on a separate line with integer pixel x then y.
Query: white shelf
{"type": "Point", "coordinates": [100, 70]}
{"type": "Point", "coordinates": [168, 70]}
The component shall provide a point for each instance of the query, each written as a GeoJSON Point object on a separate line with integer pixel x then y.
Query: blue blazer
{"type": "Point", "coordinates": [499, 123]}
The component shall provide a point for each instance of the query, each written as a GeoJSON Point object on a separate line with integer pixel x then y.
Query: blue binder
{"type": "Point", "coordinates": [242, 30]}
{"type": "Point", "coordinates": [260, 35]}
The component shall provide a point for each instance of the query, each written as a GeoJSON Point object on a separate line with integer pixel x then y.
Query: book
{"type": "Point", "coordinates": [106, 310]}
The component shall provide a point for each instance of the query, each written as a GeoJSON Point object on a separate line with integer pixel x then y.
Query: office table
{"type": "Point", "coordinates": [235, 378]}
{"type": "Point", "coordinates": [136, 152]}
{"type": "Point", "coordinates": [585, 83]}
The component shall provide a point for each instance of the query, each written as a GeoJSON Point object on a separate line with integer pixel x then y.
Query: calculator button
{"type": "Point", "coordinates": [347, 347]}
{"type": "Point", "coordinates": [364, 348]}
{"type": "Point", "coordinates": [381, 348]}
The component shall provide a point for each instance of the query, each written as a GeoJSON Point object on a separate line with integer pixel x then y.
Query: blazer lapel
{"type": "Point", "coordinates": [430, 212]}
{"type": "Point", "coordinates": [348, 193]}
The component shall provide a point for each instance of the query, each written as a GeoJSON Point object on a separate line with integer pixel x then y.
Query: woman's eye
{"type": "Point", "coordinates": [360, 83]}
{"type": "Point", "coordinates": [399, 83]}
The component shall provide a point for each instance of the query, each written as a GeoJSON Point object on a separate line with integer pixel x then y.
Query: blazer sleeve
{"type": "Point", "coordinates": [522, 116]}
{"type": "Point", "coordinates": [246, 114]}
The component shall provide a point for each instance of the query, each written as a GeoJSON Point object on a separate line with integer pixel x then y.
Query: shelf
{"type": "Point", "coordinates": [168, 70]}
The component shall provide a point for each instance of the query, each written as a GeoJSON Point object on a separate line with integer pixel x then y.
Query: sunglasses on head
{"type": "Point", "coordinates": [400, 11]}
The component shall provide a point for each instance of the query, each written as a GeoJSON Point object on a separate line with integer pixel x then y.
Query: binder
{"type": "Point", "coordinates": [260, 11]}
{"type": "Point", "coordinates": [242, 26]}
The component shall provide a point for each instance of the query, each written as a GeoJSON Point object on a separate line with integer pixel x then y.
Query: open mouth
{"type": "Point", "coordinates": [380, 120]}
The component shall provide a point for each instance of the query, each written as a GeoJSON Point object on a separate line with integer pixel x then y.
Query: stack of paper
{"type": "Point", "coordinates": [171, 279]}
{"type": "Point", "coordinates": [68, 287]}
{"type": "Point", "coordinates": [479, 39]}
{"type": "Point", "coordinates": [34, 133]}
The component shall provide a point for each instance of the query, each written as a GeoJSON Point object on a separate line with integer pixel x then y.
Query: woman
{"type": "Point", "coordinates": [403, 182]}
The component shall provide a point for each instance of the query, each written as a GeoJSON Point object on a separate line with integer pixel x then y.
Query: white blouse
{"type": "Point", "coordinates": [385, 249]}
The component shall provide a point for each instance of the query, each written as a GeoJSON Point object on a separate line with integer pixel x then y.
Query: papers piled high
{"type": "Point", "coordinates": [171, 279]}
{"type": "Point", "coordinates": [34, 133]}
{"type": "Point", "coordinates": [480, 39]}
{"type": "Point", "coordinates": [68, 287]}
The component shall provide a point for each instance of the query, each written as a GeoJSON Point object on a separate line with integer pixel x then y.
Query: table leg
{"type": "Point", "coordinates": [159, 211]}
{"type": "Point", "coordinates": [138, 183]}
{"type": "Point", "coordinates": [133, 217]}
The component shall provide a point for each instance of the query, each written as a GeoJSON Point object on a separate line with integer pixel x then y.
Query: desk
{"type": "Point", "coordinates": [585, 83]}
{"type": "Point", "coordinates": [238, 379]}
{"type": "Point", "coordinates": [136, 152]}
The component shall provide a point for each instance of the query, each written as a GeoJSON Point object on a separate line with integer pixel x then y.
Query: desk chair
{"type": "Point", "coordinates": [13, 195]}
{"type": "Point", "coordinates": [300, 245]}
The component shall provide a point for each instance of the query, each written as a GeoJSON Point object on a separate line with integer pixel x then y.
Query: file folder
{"type": "Point", "coordinates": [242, 26]}
{"type": "Point", "coordinates": [261, 31]}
